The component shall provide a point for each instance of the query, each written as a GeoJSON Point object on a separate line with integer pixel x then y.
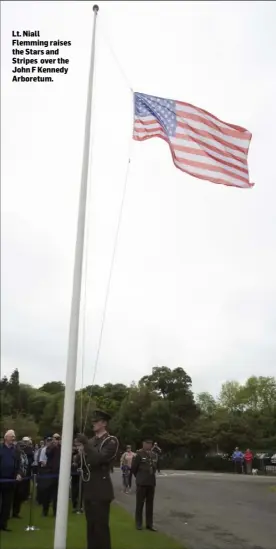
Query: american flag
{"type": "Point", "coordinates": [201, 144]}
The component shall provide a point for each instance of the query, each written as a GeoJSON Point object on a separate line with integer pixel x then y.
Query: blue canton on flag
{"type": "Point", "coordinates": [162, 109]}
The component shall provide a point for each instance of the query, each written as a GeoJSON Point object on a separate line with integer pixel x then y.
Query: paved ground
{"type": "Point", "coordinates": [213, 511]}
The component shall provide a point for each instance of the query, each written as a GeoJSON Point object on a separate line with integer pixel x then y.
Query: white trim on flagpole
{"type": "Point", "coordinates": [70, 387]}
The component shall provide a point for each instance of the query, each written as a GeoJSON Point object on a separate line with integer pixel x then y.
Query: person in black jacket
{"type": "Point", "coordinates": [76, 490]}
{"type": "Point", "coordinates": [42, 484]}
{"type": "Point", "coordinates": [52, 468]}
{"type": "Point", "coordinates": [143, 467]}
{"type": "Point", "coordinates": [21, 492]}
{"type": "Point", "coordinates": [10, 468]}
{"type": "Point", "coordinates": [28, 450]}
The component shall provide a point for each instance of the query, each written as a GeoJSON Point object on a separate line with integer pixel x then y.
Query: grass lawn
{"type": "Point", "coordinates": [123, 533]}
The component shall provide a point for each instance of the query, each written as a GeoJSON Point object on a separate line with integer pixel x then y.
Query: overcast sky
{"type": "Point", "coordinates": [194, 277]}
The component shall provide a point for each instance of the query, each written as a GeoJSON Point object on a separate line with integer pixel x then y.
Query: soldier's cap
{"type": "Point", "coordinates": [100, 415]}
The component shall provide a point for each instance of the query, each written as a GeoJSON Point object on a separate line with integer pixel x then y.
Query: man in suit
{"type": "Point", "coordinates": [10, 469]}
{"type": "Point", "coordinates": [143, 467]}
{"type": "Point", "coordinates": [97, 455]}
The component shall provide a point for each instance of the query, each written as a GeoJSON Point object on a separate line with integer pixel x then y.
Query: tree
{"type": "Point", "coordinates": [52, 387]}
{"type": "Point", "coordinates": [13, 387]}
{"type": "Point", "coordinates": [14, 379]}
{"type": "Point", "coordinates": [22, 425]}
{"type": "Point", "coordinates": [232, 396]}
{"type": "Point", "coordinates": [234, 431]}
{"type": "Point", "coordinates": [161, 405]}
{"type": "Point", "coordinates": [37, 404]}
{"type": "Point", "coordinates": [179, 410]}
{"type": "Point", "coordinates": [4, 382]}
{"type": "Point", "coordinates": [51, 420]}
{"type": "Point", "coordinates": [206, 403]}
{"type": "Point", "coordinates": [166, 382]}
{"type": "Point", "coordinates": [259, 393]}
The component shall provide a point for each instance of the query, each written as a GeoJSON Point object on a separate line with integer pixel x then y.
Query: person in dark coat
{"type": "Point", "coordinates": [53, 452]}
{"type": "Point", "coordinates": [28, 450]}
{"type": "Point", "coordinates": [21, 492]}
{"type": "Point", "coordinates": [10, 468]}
{"type": "Point", "coordinates": [76, 489]}
{"type": "Point", "coordinates": [143, 467]}
{"type": "Point", "coordinates": [97, 455]}
{"type": "Point", "coordinates": [42, 484]}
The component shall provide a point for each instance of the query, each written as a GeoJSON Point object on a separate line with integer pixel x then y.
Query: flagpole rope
{"type": "Point", "coordinates": [115, 247]}
{"type": "Point", "coordinates": [83, 424]}
{"type": "Point", "coordinates": [119, 66]}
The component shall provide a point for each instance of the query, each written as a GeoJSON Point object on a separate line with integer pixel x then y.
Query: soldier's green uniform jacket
{"type": "Point", "coordinates": [99, 452]}
{"type": "Point", "coordinates": [143, 467]}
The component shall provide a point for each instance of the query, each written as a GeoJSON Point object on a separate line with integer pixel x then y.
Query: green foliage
{"type": "Point", "coordinates": [167, 383]}
{"type": "Point", "coordinates": [52, 387]}
{"type": "Point", "coordinates": [22, 425]}
{"type": "Point", "coordinates": [162, 405]}
{"type": "Point", "coordinates": [207, 404]}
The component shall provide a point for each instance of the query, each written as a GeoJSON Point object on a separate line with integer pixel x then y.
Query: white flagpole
{"type": "Point", "coordinates": [70, 387]}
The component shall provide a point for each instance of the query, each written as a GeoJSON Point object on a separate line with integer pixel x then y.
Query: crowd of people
{"type": "Point", "coordinates": [19, 462]}
{"type": "Point", "coordinates": [91, 485]}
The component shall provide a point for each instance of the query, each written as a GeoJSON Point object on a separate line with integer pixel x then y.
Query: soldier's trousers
{"type": "Point", "coordinates": [97, 524]}
{"type": "Point", "coordinates": [144, 494]}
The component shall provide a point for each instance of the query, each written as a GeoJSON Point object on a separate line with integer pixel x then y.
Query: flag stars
{"type": "Point", "coordinates": [161, 109]}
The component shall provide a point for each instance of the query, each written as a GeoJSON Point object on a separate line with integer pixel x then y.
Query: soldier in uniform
{"type": "Point", "coordinates": [97, 455]}
{"type": "Point", "coordinates": [143, 467]}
